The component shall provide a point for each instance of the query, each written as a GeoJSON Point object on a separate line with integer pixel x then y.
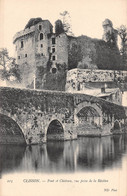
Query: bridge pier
{"type": "Point", "coordinates": [60, 131]}
{"type": "Point", "coordinates": [70, 132]}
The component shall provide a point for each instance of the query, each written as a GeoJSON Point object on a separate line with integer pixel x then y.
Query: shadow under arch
{"type": "Point", "coordinates": [89, 115]}
{"type": "Point", "coordinates": [88, 111]}
{"type": "Point", "coordinates": [117, 125]}
{"type": "Point", "coordinates": [10, 132]}
{"type": "Point", "coordinates": [55, 131]}
{"type": "Point", "coordinates": [90, 106]}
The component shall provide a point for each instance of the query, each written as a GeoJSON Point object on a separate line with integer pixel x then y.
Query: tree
{"type": "Point", "coordinates": [32, 22]}
{"type": "Point", "coordinates": [59, 27]}
{"type": "Point", "coordinates": [122, 32]}
{"type": "Point", "coordinates": [8, 67]}
{"type": "Point", "coordinates": [66, 20]}
{"type": "Point", "coordinates": [86, 63]}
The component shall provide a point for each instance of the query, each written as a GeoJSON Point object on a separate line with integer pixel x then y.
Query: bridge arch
{"type": "Point", "coordinates": [87, 104]}
{"type": "Point", "coordinates": [10, 131]}
{"type": "Point", "coordinates": [55, 130]}
{"type": "Point", "coordinates": [88, 113]}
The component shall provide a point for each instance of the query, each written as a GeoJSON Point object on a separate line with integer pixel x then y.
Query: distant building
{"type": "Point", "coordinates": [113, 94]}
{"type": "Point", "coordinates": [110, 34]}
{"type": "Point", "coordinates": [99, 83]}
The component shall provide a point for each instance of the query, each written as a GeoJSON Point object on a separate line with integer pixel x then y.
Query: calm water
{"type": "Point", "coordinates": [84, 154]}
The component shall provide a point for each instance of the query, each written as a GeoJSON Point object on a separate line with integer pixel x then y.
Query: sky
{"type": "Point", "coordinates": [86, 16]}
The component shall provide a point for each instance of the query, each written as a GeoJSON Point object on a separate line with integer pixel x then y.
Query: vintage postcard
{"type": "Point", "coordinates": [63, 97]}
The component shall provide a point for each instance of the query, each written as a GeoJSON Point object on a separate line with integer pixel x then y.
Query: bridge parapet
{"type": "Point", "coordinates": [35, 110]}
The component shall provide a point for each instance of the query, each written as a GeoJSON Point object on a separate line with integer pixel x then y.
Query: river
{"type": "Point", "coordinates": [92, 165]}
{"type": "Point", "coordinates": [84, 154]}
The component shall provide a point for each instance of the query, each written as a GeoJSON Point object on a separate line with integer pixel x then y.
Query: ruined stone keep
{"type": "Point", "coordinates": [38, 47]}
{"type": "Point", "coordinates": [40, 51]}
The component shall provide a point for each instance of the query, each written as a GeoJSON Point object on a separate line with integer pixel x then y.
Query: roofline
{"type": "Point", "coordinates": [30, 30]}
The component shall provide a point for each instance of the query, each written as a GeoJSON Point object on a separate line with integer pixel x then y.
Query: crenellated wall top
{"type": "Point", "coordinates": [23, 33]}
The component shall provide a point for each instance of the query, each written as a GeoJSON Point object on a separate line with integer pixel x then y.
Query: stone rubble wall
{"type": "Point", "coordinates": [81, 76]}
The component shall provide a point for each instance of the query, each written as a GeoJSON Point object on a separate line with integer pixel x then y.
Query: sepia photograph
{"type": "Point", "coordinates": [63, 97]}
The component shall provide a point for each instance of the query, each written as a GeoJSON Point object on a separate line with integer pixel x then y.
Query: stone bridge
{"type": "Point", "coordinates": [36, 116]}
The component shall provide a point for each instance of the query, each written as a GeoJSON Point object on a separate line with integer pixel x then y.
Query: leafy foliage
{"type": "Point", "coordinates": [106, 57]}
{"type": "Point", "coordinates": [85, 52]}
{"type": "Point", "coordinates": [39, 76]}
{"type": "Point", "coordinates": [122, 32]}
{"type": "Point", "coordinates": [59, 28]}
{"type": "Point", "coordinates": [9, 69]}
{"type": "Point", "coordinates": [57, 80]}
{"type": "Point", "coordinates": [75, 54]}
{"type": "Point", "coordinates": [32, 22]}
{"type": "Point", "coordinates": [66, 20]}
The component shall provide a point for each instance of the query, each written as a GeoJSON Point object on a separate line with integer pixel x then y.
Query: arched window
{"type": "Point", "coordinates": [41, 36]}
{"type": "Point", "coordinates": [54, 70]}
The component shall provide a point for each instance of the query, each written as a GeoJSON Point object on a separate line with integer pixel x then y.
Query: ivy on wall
{"type": "Point", "coordinates": [101, 55]}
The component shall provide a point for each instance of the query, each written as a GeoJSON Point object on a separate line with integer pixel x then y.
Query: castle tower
{"type": "Point", "coordinates": [110, 34]}
{"type": "Point", "coordinates": [31, 46]}
{"type": "Point", "coordinates": [39, 50]}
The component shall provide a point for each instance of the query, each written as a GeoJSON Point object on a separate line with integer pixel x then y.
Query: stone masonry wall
{"type": "Point", "coordinates": [82, 76]}
{"type": "Point", "coordinates": [39, 54]}
{"type": "Point", "coordinates": [34, 110]}
{"type": "Point", "coordinates": [26, 58]}
{"type": "Point", "coordinates": [62, 49]}
{"type": "Point", "coordinates": [42, 46]}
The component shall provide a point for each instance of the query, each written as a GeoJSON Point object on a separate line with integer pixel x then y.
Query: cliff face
{"type": "Point", "coordinates": [85, 52]}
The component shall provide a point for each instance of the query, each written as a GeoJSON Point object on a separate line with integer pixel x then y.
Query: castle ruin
{"type": "Point", "coordinates": [37, 47]}
{"type": "Point", "coordinates": [40, 51]}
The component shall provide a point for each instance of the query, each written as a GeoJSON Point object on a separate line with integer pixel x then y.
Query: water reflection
{"type": "Point", "coordinates": [84, 154]}
{"type": "Point", "coordinates": [10, 157]}
{"type": "Point", "coordinates": [55, 151]}
{"type": "Point", "coordinates": [100, 153]}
